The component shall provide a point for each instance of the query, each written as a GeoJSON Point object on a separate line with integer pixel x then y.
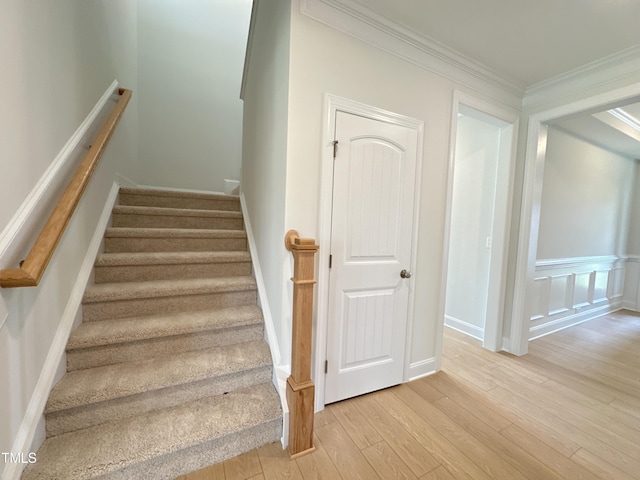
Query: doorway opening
{"type": "Point", "coordinates": [480, 179]}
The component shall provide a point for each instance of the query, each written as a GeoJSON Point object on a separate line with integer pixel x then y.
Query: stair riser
{"type": "Point", "coordinates": [122, 245]}
{"type": "Point", "coordinates": [161, 221]}
{"type": "Point", "coordinates": [179, 202]}
{"type": "Point", "coordinates": [165, 305]}
{"type": "Point", "coordinates": [132, 351]}
{"type": "Point", "coordinates": [78, 418]}
{"type": "Point", "coordinates": [200, 456]}
{"type": "Point", "coordinates": [141, 273]}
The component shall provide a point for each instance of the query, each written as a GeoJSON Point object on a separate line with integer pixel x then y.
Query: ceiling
{"type": "Point", "coordinates": [530, 41]}
{"type": "Point", "coordinates": [617, 130]}
{"type": "Point", "coordinates": [526, 41]}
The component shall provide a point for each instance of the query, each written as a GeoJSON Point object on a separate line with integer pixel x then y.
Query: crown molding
{"type": "Point", "coordinates": [360, 22]}
{"type": "Point", "coordinates": [610, 72]}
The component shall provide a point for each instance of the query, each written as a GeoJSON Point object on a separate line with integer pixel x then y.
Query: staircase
{"type": "Point", "coordinates": [168, 372]}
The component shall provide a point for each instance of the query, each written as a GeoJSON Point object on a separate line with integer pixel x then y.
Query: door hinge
{"type": "Point", "coordinates": [326, 366]}
{"type": "Point", "coordinates": [330, 260]}
{"type": "Point", "coordinates": [335, 148]}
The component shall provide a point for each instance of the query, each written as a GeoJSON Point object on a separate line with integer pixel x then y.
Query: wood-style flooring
{"type": "Point", "coordinates": [570, 409]}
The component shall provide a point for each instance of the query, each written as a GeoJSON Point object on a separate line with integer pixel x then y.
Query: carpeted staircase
{"type": "Point", "coordinates": [168, 372]}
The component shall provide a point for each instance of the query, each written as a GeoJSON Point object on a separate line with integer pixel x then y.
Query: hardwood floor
{"type": "Point", "coordinates": [570, 409]}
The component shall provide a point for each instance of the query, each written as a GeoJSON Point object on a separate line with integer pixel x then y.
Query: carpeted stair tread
{"type": "Point", "coordinates": [108, 292]}
{"type": "Point", "coordinates": [110, 332]}
{"type": "Point", "coordinates": [169, 371]}
{"type": "Point", "coordinates": [132, 232]}
{"type": "Point", "coordinates": [121, 449]}
{"type": "Point", "coordinates": [169, 258]}
{"type": "Point", "coordinates": [177, 199]}
{"type": "Point", "coordinates": [165, 211]}
{"type": "Point", "coordinates": [178, 194]}
{"type": "Point", "coordinates": [94, 385]}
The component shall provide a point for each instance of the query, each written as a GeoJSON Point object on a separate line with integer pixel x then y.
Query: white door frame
{"type": "Point", "coordinates": [334, 104]}
{"type": "Point", "coordinates": [502, 215]}
{"type": "Point", "coordinates": [532, 197]}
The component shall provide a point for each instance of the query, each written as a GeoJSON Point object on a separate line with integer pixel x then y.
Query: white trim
{"type": "Point", "coordinates": [35, 409]}
{"type": "Point", "coordinates": [572, 320]}
{"type": "Point", "coordinates": [464, 327]}
{"type": "Point", "coordinates": [354, 19]}
{"type": "Point", "coordinates": [571, 262]}
{"type": "Point", "coordinates": [125, 182]}
{"type": "Point", "coordinates": [602, 74]}
{"type": "Point", "coordinates": [280, 372]}
{"type": "Point", "coordinates": [423, 368]}
{"type": "Point", "coordinates": [532, 197]}
{"type": "Point", "coordinates": [32, 204]}
{"type": "Point", "coordinates": [334, 104]}
{"type": "Point", "coordinates": [280, 375]}
{"type": "Point", "coordinates": [181, 190]}
{"type": "Point", "coordinates": [492, 333]}
{"type": "Point", "coordinates": [263, 299]}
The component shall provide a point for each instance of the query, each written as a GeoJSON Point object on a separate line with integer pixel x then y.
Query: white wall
{"type": "Point", "coordinates": [633, 240]}
{"type": "Point", "coordinates": [266, 105]}
{"type": "Point", "coordinates": [190, 58]}
{"type": "Point", "coordinates": [586, 199]}
{"type": "Point", "coordinates": [62, 57]}
{"type": "Point", "coordinates": [586, 208]}
{"type": "Point", "coordinates": [472, 212]}
{"type": "Point", "coordinates": [326, 61]}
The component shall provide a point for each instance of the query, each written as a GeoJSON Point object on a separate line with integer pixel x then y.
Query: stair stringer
{"type": "Point", "coordinates": [280, 372]}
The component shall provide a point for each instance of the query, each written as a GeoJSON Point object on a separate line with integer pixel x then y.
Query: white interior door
{"type": "Point", "coordinates": [371, 243]}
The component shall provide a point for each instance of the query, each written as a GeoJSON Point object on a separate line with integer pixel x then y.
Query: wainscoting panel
{"type": "Point", "coordinates": [540, 298]}
{"type": "Point", "coordinates": [581, 289]}
{"type": "Point", "coordinates": [631, 287]}
{"type": "Point", "coordinates": [560, 293]}
{"type": "Point", "coordinates": [616, 283]}
{"type": "Point", "coordinates": [600, 286]}
{"type": "Point", "coordinates": [569, 291]}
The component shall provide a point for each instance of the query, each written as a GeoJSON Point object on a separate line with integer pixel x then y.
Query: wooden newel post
{"type": "Point", "coordinates": [300, 388]}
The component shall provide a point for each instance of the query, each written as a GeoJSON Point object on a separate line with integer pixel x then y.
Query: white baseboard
{"type": "Point", "coordinates": [183, 190]}
{"type": "Point", "coordinates": [270, 330]}
{"type": "Point", "coordinates": [26, 432]}
{"type": "Point", "coordinates": [422, 368]}
{"type": "Point", "coordinates": [280, 375]}
{"type": "Point", "coordinates": [464, 327]}
{"type": "Point", "coordinates": [281, 372]}
{"type": "Point", "coordinates": [572, 320]}
{"type": "Point", "coordinates": [123, 181]}
{"type": "Point", "coordinates": [231, 187]}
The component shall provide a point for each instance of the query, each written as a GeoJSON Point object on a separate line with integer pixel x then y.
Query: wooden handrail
{"type": "Point", "coordinates": [300, 388]}
{"type": "Point", "coordinates": [33, 267]}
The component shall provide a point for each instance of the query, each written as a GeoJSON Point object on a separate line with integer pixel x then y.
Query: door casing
{"type": "Point", "coordinates": [334, 104]}
{"type": "Point", "coordinates": [534, 162]}
{"type": "Point", "coordinates": [493, 338]}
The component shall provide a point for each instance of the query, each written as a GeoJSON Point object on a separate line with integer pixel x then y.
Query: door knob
{"type": "Point", "coordinates": [405, 274]}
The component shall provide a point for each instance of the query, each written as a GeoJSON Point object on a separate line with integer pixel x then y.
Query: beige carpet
{"type": "Point", "coordinates": [168, 372]}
